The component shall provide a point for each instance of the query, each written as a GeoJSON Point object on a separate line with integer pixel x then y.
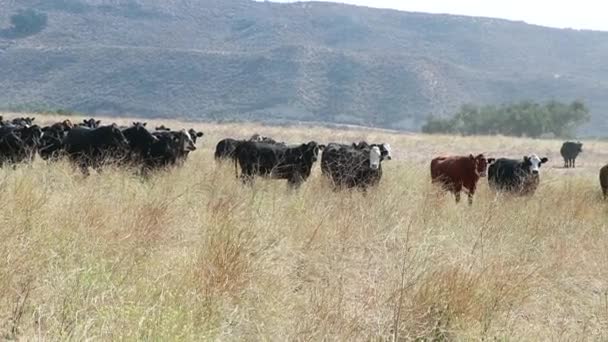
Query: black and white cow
{"type": "Point", "coordinates": [357, 165]}
{"type": "Point", "coordinates": [293, 163]}
{"type": "Point", "coordinates": [516, 176]}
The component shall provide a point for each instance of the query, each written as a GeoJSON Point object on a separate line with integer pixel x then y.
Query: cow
{"type": "Point", "coordinates": [90, 123]}
{"type": "Point", "coordinates": [93, 146]}
{"type": "Point", "coordinates": [171, 148]}
{"type": "Point", "coordinates": [516, 176]}
{"type": "Point", "coordinates": [261, 138]}
{"type": "Point", "coordinates": [140, 142]}
{"type": "Point", "coordinates": [51, 143]}
{"type": "Point", "coordinates": [570, 151]}
{"type": "Point", "coordinates": [604, 180]}
{"type": "Point", "coordinates": [454, 173]}
{"type": "Point", "coordinates": [225, 148]}
{"type": "Point", "coordinates": [20, 143]}
{"type": "Point", "coordinates": [23, 121]}
{"type": "Point", "coordinates": [276, 161]}
{"type": "Point", "coordinates": [354, 166]}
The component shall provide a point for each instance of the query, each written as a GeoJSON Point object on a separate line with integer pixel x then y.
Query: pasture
{"type": "Point", "coordinates": [191, 254]}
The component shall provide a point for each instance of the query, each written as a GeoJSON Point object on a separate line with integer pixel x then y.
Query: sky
{"type": "Point", "coordinates": [579, 14]}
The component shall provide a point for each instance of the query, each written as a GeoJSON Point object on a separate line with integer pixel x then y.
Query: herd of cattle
{"type": "Point", "coordinates": [89, 144]}
{"type": "Point", "coordinates": [358, 165]}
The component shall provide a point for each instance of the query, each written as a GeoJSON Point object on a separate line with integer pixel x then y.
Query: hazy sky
{"type": "Point", "coordinates": [580, 14]}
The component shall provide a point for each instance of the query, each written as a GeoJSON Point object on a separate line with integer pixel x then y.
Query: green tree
{"type": "Point", "coordinates": [526, 118]}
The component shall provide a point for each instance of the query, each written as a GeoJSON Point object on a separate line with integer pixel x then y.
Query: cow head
{"type": "Point", "coordinates": [310, 151]}
{"type": "Point", "coordinates": [375, 157]}
{"type": "Point", "coordinates": [194, 134]}
{"type": "Point", "coordinates": [163, 128]}
{"type": "Point", "coordinates": [91, 123]}
{"type": "Point", "coordinates": [481, 164]}
{"type": "Point", "coordinates": [117, 138]}
{"type": "Point", "coordinates": [139, 137]}
{"type": "Point", "coordinates": [533, 163]}
{"type": "Point", "coordinates": [386, 151]}
{"type": "Point", "coordinates": [579, 146]}
{"type": "Point", "coordinates": [31, 135]}
{"type": "Point", "coordinates": [184, 140]}
{"type": "Point", "coordinates": [263, 139]}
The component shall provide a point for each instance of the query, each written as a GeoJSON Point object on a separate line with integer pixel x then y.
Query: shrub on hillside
{"type": "Point", "coordinates": [525, 118]}
{"type": "Point", "coordinates": [26, 22]}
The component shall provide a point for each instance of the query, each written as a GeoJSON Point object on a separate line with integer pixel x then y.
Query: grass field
{"type": "Point", "coordinates": [192, 255]}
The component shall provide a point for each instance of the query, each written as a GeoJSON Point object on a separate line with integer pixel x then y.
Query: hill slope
{"type": "Point", "coordinates": [239, 59]}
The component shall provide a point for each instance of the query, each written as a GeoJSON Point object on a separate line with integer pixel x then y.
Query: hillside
{"type": "Point", "coordinates": [239, 59]}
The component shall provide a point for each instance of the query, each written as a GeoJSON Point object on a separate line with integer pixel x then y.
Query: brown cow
{"type": "Point", "coordinates": [457, 172]}
{"type": "Point", "coordinates": [604, 180]}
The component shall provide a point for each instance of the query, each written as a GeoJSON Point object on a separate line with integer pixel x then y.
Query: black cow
{"type": "Point", "coordinates": [140, 142]}
{"type": "Point", "coordinates": [516, 176]}
{"type": "Point", "coordinates": [19, 143]}
{"type": "Point", "coordinates": [92, 147]}
{"type": "Point", "coordinates": [569, 152]}
{"type": "Point", "coordinates": [225, 148]}
{"type": "Point", "coordinates": [356, 165]}
{"type": "Point", "coordinates": [293, 163]}
{"type": "Point", "coordinates": [51, 143]}
{"type": "Point", "coordinates": [23, 121]}
{"type": "Point", "coordinates": [90, 123]}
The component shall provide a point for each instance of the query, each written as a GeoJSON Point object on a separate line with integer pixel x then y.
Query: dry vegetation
{"type": "Point", "coordinates": [191, 254]}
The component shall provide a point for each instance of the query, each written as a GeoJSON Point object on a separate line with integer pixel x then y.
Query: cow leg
{"type": "Point", "coordinates": [573, 163]}
{"type": "Point", "coordinates": [457, 189]}
{"type": "Point", "coordinates": [605, 192]}
{"type": "Point", "coordinates": [294, 181]}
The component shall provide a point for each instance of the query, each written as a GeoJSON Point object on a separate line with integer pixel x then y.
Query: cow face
{"type": "Point", "coordinates": [375, 156]}
{"type": "Point", "coordinates": [185, 141]}
{"type": "Point", "coordinates": [118, 139]}
{"type": "Point", "coordinates": [91, 123]}
{"type": "Point", "coordinates": [139, 136]}
{"type": "Point", "coordinates": [311, 151]}
{"type": "Point", "coordinates": [386, 151]}
{"type": "Point", "coordinates": [533, 163]}
{"type": "Point", "coordinates": [194, 134]}
{"type": "Point", "coordinates": [579, 146]}
{"type": "Point", "coordinates": [481, 164]}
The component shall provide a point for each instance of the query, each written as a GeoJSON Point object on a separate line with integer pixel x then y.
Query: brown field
{"type": "Point", "coordinates": [192, 255]}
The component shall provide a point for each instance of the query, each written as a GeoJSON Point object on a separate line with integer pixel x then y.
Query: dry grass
{"type": "Point", "coordinates": [193, 255]}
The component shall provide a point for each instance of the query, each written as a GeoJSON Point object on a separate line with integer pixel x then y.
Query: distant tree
{"type": "Point", "coordinates": [525, 118]}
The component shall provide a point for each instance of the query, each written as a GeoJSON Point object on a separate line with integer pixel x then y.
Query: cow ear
{"type": "Point", "coordinates": [471, 156]}
{"type": "Point", "coordinates": [544, 160]}
{"type": "Point", "coordinates": [491, 160]}
{"type": "Point", "coordinates": [199, 134]}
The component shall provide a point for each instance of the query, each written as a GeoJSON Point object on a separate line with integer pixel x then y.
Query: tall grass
{"type": "Point", "coordinates": [192, 254]}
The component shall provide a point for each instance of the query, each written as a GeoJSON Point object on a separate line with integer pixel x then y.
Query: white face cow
{"type": "Point", "coordinates": [533, 163]}
{"type": "Point", "coordinates": [387, 153]}
{"type": "Point", "coordinates": [186, 141]}
{"type": "Point", "coordinates": [374, 158]}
